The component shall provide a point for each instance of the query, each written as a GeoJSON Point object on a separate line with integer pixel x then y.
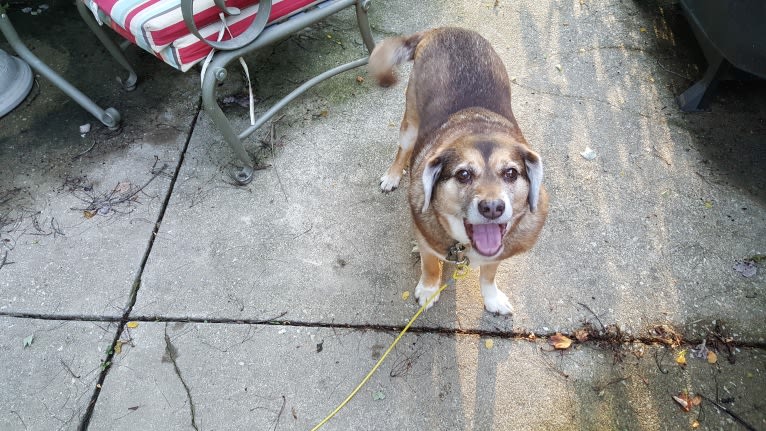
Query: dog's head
{"type": "Point", "coordinates": [479, 185]}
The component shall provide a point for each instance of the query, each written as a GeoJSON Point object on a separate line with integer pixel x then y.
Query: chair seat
{"type": "Point", "coordinates": [158, 27]}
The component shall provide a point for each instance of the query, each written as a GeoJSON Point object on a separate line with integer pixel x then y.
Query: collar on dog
{"type": "Point", "coordinates": [456, 254]}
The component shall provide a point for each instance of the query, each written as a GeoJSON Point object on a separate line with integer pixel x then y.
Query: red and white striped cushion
{"type": "Point", "coordinates": [158, 27]}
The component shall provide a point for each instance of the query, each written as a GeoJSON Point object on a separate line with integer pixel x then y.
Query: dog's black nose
{"type": "Point", "coordinates": [492, 209]}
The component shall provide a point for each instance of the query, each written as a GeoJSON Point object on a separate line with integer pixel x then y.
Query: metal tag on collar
{"type": "Point", "coordinates": [456, 254]}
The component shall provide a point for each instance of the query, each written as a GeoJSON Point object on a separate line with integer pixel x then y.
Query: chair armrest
{"type": "Point", "coordinates": [252, 32]}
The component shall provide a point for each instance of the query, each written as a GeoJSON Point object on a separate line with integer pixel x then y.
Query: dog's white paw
{"type": "Point", "coordinates": [389, 182]}
{"type": "Point", "coordinates": [498, 303]}
{"type": "Point", "coordinates": [422, 293]}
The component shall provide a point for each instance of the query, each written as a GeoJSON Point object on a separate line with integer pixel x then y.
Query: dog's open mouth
{"type": "Point", "coordinates": [487, 239]}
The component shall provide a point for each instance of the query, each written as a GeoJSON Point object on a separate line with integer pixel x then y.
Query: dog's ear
{"type": "Point", "coordinates": [534, 167]}
{"type": "Point", "coordinates": [430, 176]}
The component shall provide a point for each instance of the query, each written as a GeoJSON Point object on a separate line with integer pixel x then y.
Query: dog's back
{"type": "Point", "coordinates": [454, 69]}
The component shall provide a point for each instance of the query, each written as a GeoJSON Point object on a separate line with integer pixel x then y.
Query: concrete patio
{"type": "Point", "coordinates": [141, 289]}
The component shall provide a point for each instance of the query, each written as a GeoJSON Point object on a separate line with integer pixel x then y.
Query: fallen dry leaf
{"type": "Point", "coordinates": [695, 424]}
{"type": "Point", "coordinates": [681, 358]}
{"type": "Point", "coordinates": [359, 79]}
{"type": "Point", "coordinates": [88, 214]}
{"type": "Point", "coordinates": [686, 402]}
{"type": "Point", "coordinates": [665, 334]}
{"type": "Point", "coordinates": [682, 400]}
{"type": "Point", "coordinates": [712, 358]}
{"type": "Point", "coordinates": [582, 335]}
{"type": "Point", "coordinates": [560, 342]}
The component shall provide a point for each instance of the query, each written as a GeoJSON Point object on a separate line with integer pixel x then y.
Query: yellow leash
{"type": "Point", "coordinates": [461, 271]}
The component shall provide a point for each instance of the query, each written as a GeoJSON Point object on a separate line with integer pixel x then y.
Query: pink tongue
{"type": "Point", "coordinates": [487, 238]}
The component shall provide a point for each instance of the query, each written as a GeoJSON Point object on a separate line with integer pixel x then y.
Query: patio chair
{"type": "Point", "coordinates": [185, 32]}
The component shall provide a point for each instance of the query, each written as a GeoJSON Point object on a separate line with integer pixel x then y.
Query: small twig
{"type": "Point", "coordinates": [36, 223]}
{"type": "Point", "coordinates": [164, 165]}
{"type": "Point", "coordinates": [95, 141]}
{"type": "Point", "coordinates": [672, 72]}
{"type": "Point", "coordinates": [599, 388]}
{"type": "Point", "coordinates": [19, 416]}
{"type": "Point", "coordinates": [304, 232]}
{"type": "Point", "coordinates": [657, 361]}
{"type": "Point", "coordinates": [550, 364]}
{"type": "Point", "coordinates": [113, 198]}
{"type": "Point", "coordinates": [659, 155]}
{"type": "Point", "coordinates": [56, 228]}
{"type": "Point", "coordinates": [156, 174]}
{"type": "Point", "coordinates": [730, 413]}
{"type": "Point", "coordinates": [66, 367]}
{"type": "Point", "coordinates": [3, 261]}
{"type": "Point", "coordinates": [603, 328]}
{"type": "Point", "coordinates": [404, 363]}
{"type": "Point", "coordinates": [271, 141]}
{"type": "Point", "coordinates": [10, 194]}
{"type": "Point", "coordinates": [279, 415]}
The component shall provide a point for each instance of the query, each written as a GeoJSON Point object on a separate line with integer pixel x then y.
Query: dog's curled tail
{"type": "Point", "coordinates": [390, 53]}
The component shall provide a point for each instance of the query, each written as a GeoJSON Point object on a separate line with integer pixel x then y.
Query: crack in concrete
{"type": "Point", "coordinates": [276, 321]}
{"type": "Point", "coordinates": [602, 336]}
{"type": "Point", "coordinates": [68, 317]}
{"type": "Point", "coordinates": [172, 353]}
{"type": "Point", "coordinates": [84, 423]}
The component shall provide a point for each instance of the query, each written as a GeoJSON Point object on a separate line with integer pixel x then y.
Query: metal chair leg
{"type": "Point", "coordinates": [109, 117]}
{"type": "Point", "coordinates": [216, 72]}
{"type": "Point", "coordinates": [362, 6]}
{"type": "Point", "coordinates": [130, 83]}
{"type": "Point", "coordinates": [214, 75]}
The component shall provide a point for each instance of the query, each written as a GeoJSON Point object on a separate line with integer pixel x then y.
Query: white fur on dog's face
{"type": "Point", "coordinates": [482, 170]}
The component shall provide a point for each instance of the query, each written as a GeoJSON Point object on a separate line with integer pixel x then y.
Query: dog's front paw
{"type": "Point", "coordinates": [498, 303]}
{"type": "Point", "coordinates": [389, 182]}
{"type": "Point", "coordinates": [422, 293]}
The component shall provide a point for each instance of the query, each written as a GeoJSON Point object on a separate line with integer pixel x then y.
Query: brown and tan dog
{"type": "Point", "coordinates": [474, 181]}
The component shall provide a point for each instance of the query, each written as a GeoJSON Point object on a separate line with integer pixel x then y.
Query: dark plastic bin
{"type": "Point", "coordinates": [732, 34]}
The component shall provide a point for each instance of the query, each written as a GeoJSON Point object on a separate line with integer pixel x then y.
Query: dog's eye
{"type": "Point", "coordinates": [464, 176]}
{"type": "Point", "coordinates": [510, 175]}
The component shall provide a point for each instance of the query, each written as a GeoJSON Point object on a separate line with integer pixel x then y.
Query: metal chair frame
{"type": "Point", "coordinates": [110, 117]}
{"type": "Point", "coordinates": [256, 37]}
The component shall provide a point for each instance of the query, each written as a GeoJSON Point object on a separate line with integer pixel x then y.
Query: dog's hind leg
{"type": "Point", "coordinates": [430, 277]}
{"type": "Point", "coordinates": [408, 134]}
{"type": "Point", "coordinates": [495, 301]}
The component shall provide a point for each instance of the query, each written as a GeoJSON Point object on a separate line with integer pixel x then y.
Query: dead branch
{"type": "Point", "coordinates": [730, 413]}
{"type": "Point", "coordinates": [603, 328]}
